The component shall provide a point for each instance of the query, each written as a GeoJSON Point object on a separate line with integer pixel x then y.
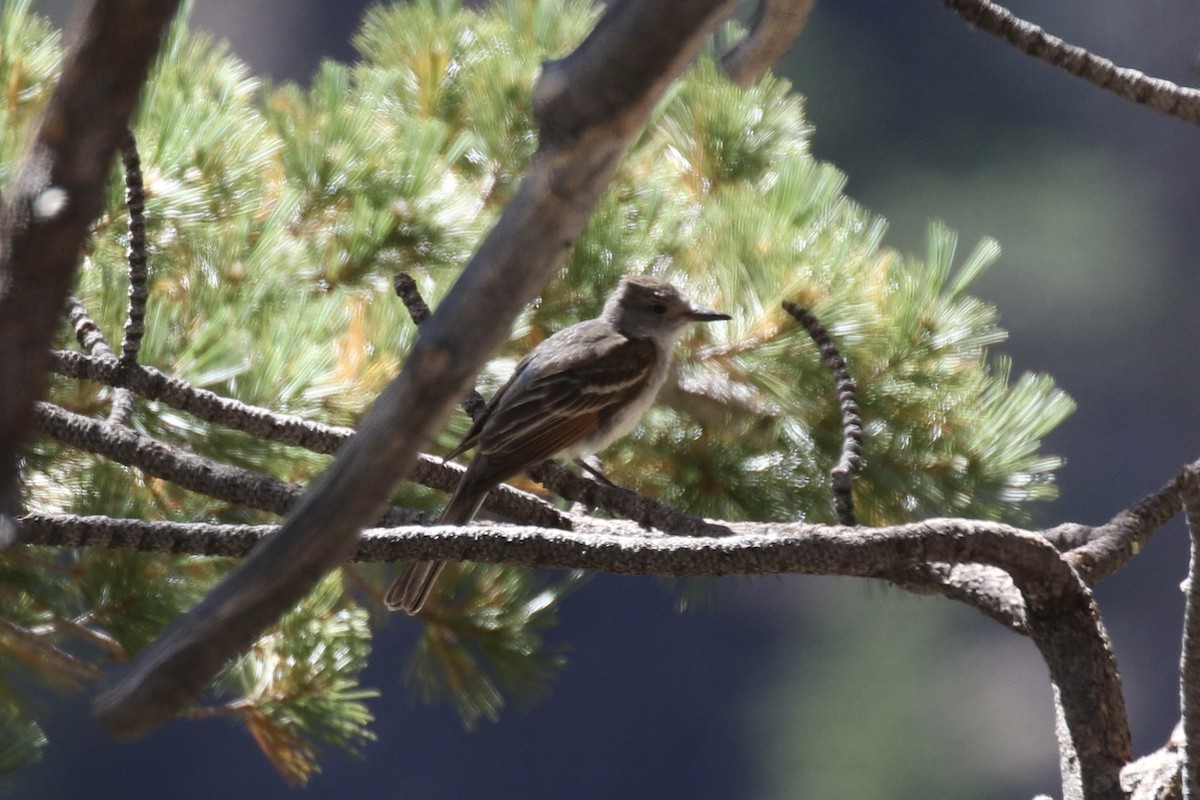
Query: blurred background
{"type": "Point", "coordinates": [817, 687]}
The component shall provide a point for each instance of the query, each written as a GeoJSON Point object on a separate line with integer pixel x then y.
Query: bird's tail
{"type": "Point", "coordinates": [411, 588]}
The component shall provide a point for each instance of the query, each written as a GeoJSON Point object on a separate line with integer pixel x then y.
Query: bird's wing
{"type": "Point", "coordinates": [471, 437]}
{"type": "Point", "coordinates": [556, 404]}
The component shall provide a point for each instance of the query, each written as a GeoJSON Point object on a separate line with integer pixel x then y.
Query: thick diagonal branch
{"type": "Point", "coordinates": [588, 108]}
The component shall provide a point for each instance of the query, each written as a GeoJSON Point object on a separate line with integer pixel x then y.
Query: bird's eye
{"type": "Point", "coordinates": [659, 308]}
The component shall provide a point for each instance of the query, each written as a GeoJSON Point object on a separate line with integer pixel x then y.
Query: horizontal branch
{"type": "Point", "coordinates": [1055, 608]}
{"type": "Point", "coordinates": [195, 473]}
{"type": "Point", "coordinates": [618, 546]}
{"type": "Point", "coordinates": [1131, 84]}
{"type": "Point", "coordinates": [263, 423]}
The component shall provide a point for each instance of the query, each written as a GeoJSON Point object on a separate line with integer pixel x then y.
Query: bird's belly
{"type": "Point", "coordinates": [620, 424]}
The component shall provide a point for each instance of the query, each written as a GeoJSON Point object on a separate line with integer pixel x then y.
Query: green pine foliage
{"type": "Point", "coordinates": [298, 685]}
{"type": "Point", "coordinates": [276, 218]}
{"type": "Point", "coordinates": [482, 644]}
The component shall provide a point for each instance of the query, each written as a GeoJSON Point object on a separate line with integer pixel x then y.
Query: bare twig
{"type": "Point", "coordinates": [851, 459]}
{"type": "Point", "coordinates": [135, 202]}
{"type": "Point", "coordinates": [646, 511]}
{"type": "Point", "coordinates": [43, 656]}
{"type": "Point", "coordinates": [87, 333]}
{"type": "Point", "coordinates": [111, 533]}
{"type": "Point", "coordinates": [92, 340]}
{"type": "Point", "coordinates": [588, 107]}
{"type": "Point", "coordinates": [408, 292]}
{"type": "Point", "coordinates": [58, 193]}
{"type": "Point", "coordinates": [775, 24]}
{"type": "Point", "coordinates": [1159, 94]}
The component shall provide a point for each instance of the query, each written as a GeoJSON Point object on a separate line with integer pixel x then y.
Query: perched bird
{"type": "Point", "coordinates": [574, 394]}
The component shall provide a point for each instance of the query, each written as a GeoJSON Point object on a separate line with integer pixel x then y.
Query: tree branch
{"type": "Point", "coordinates": [139, 293]}
{"type": "Point", "coordinates": [619, 546]}
{"type": "Point", "coordinates": [195, 473]}
{"type": "Point", "coordinates": [588, 108]}
{"type": "Point", "coordinates": [1092, 724]}
{"type": "Point", "coordinates": [775, 24]}
{"type": "Point", "coordinates": [286, 429]}
{"type": "Point", "coordinates": [1098, 552]}
{"type": "Point", "coordinates": [1189, 667]}
{"type": "Point", "coordinates": [92, 340]}
{"type": "Point", "coordinates": [851, 460]}
{"type": "Point", "coordinates": [1158, 775]}
{"type": "Point", "coordinates": [989, 590]}
{"type": "Point", "coordinates": [57, 194]}
{"type": "Point", "coordinates": [1131, 84]}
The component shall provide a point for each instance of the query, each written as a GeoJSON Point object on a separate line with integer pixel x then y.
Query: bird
{"type": "Point", "coordinates": [571, 396]}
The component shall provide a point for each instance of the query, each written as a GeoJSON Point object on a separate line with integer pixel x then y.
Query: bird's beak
{"type": "Point", "coordinates": [706, 315]}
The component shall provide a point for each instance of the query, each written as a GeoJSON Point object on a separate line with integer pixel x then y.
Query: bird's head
{"type": "Point", "coordinates": [645, 307]}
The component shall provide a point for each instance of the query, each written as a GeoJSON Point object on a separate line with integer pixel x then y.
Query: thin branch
{"type": "Point", "coordinates": [1158, 775]}
{"type": "Point", "coordinates": [57, 194]}
{"type": "Point", "coordinates": [775, 24]}
{"type": "Point", "coordinates": [286, 429]}
{"type": "Point", "coordinates": [92, 340]}
{"type": "Point", "coordinates": [410, 294]}
{"type": "Point", "coordinates": [80, 629]}
{"type": "Point", "coordinates": [195, 473]}
{"type": "Point", "coordinates": [646, 511]}
{"type": "Point", "coordinates": [588, 107]}
{"type": "Point", "coordinates": [851, 460]}
{"type": "Point", "coordinates": [1189, 667]}
{"type": "Point", "coordinates": [48, 660]}
{"type": "Point", "coordinates": [1131, 84]}
{"type": "Point", "coordinates": [111, 533]}
{"type": "Point", "coordinates": [87, 332]}
{"type": "Point", "coordinates": [1098, 552]}
{"type": "Point", "coordinates": [139, 293]}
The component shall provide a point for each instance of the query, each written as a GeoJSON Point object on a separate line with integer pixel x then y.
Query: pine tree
{"type": "Point", "coordinates": [275, 219]}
